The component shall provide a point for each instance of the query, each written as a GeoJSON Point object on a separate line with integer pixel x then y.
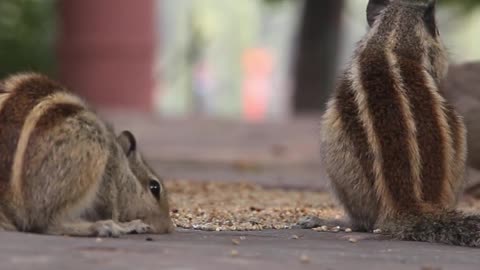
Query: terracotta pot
{"type": "Point", "coordinates": [106, 51]}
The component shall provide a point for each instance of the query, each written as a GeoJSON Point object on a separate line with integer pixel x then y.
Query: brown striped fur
{"type": "Point", "coordinates": [63, 170]}
{"type": "Point", "coordinates": [24, 95]}
{"type": "Point", "coordinates": [392, 146]}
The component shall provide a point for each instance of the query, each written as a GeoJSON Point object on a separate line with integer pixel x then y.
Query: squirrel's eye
{"type": "Point", "coordinates": [155, 188]}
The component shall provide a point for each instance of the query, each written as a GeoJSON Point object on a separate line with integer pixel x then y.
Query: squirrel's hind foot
{"type": "Point", "coordinates": [310, 222]}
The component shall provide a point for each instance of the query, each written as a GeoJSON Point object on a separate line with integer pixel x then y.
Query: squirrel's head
{"type": "Point", "coordinates": [410, 28]}
{"type": "Point", "coordinates": [149, 202]}
{"type": "Point", "coordinates": [421, 11]}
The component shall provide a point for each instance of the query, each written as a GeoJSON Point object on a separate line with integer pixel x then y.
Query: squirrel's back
{"type": "Point", "coordinates": [31, 105]}
{"type": "Point", "coordinates": [391, 144]}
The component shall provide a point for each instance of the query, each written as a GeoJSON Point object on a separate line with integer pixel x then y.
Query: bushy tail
{"type": "Point", "coordinates": [452, 228]}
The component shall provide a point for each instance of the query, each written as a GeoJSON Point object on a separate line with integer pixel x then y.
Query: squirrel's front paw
{"type": "Point", "coordinates": [137, 226]}
{"type": "Point", "coordinates": [108, 228]}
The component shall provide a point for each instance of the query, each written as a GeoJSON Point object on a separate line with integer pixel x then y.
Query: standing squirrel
{"type": "Point", "coordinates": [392, 146]}
{"type": "Point", "coordinates": [63, 171]}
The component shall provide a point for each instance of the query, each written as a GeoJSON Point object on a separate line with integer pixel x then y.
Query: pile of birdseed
{"type": "Point", "coordinates": [218, 206]}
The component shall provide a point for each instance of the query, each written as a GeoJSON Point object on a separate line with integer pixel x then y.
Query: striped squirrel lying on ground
{"type": "Point", "coordinates": [393, 148]}
{"type": "Point", "coordinates": [64, 172]}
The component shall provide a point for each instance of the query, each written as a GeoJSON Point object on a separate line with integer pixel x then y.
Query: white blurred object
{"type": "Point", "coordinates": [201, 48]}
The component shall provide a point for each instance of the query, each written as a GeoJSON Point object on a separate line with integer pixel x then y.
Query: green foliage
{"type": "Point", "coordinates": [27, 36]}
{"type": "Point", "coordinates": [272, 1]}
{"type": "Point", "coordinates": [466, 5]}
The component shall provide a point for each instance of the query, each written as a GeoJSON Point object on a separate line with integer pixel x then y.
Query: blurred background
{"type": "Point", "coordinates": [252, 60]}
{"type": "Point", "coordinates": [213, 89]}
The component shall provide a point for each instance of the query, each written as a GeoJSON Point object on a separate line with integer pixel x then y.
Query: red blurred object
{"type": "Point", "coordinates": [106, 51]}
{"type": "Point", "coordinates": [258, 67]}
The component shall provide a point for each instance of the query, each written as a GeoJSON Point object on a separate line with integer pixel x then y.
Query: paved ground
{"type": "Point", "coordinates": [272, 154]}
{"type": "Point", "coordinates": [276, 154]}
{"type": "Point", "coordinates": [186, 250]}
{"type": "Point", "coordinates": [279, 154]}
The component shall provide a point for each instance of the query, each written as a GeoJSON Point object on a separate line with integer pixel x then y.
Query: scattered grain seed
{"type": "Point", "coordinates": [430, 268]}
{"type": "Point", "coordinates": [222, 206]}
{"type": "Point", "coordinates": [304, 259]}
{"type": "Point", "coordinates": [352, 240]}
{"type": "Point", "coordinates": [335, 229]}
{"type": "Point", "coordinates": [321, 229]}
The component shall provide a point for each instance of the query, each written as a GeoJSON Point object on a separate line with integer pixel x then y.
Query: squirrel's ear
{"type": "Point", "coordinates": [127, 141]}
{"type": "Point", "coordinates": [374, 8]}
{"type": "Point", "coordinates": [429, 19]}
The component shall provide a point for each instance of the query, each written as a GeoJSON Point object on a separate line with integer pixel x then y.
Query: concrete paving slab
{"type": "Point", "coordinates": [200, 250]}
{"type": "Point", "coordinates": [278, 154]}
{"type": "Point", "coordinates": [274, 154]}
